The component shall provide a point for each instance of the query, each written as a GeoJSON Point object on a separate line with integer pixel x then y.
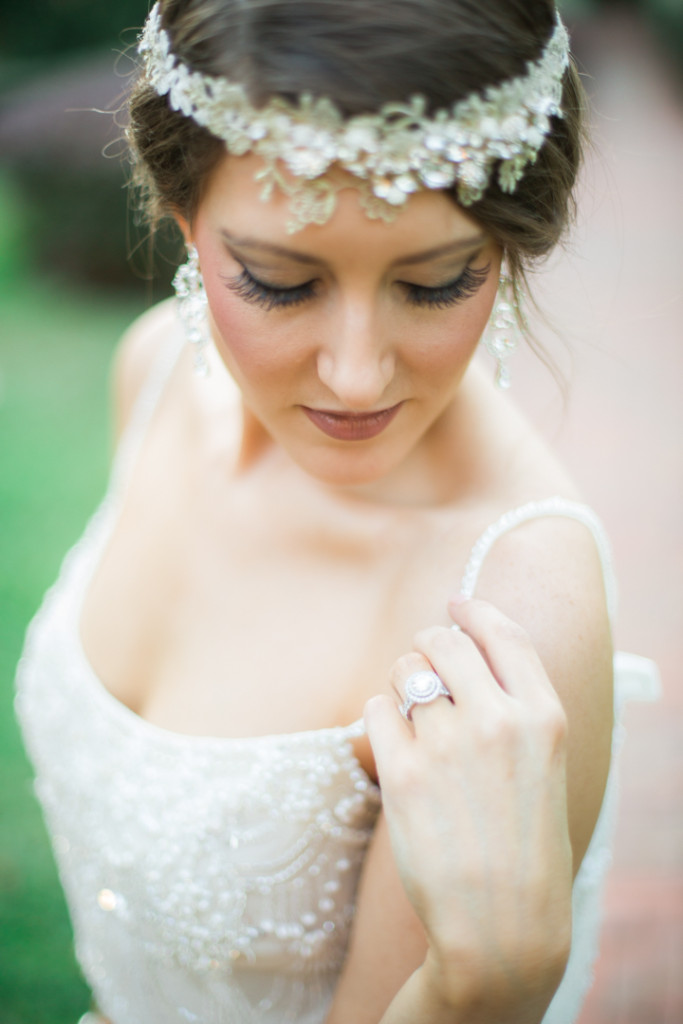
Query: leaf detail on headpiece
{"type": "Point", "coordinates": [393, 153]}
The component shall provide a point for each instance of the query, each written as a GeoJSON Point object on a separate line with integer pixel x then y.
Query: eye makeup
{"type": "Point", "coordinates": [260, 293]}
{"type": "Point", "coordinates": [449, 294]}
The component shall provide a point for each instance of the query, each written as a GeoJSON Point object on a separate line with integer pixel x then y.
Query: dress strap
{"type": "Point", "coordinates": [143, 410]}
{"type": "Point", "coordinates": [539, 510]}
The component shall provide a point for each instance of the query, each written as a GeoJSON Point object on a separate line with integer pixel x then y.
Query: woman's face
{"type": "Point", "coordinates": [348, 340]}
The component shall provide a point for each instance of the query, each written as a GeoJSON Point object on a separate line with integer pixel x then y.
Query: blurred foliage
{"type": "Point", "coordinates": [665, 17]}
{"type": "Point", "coordinates": [14, 233]}
{"type": "Point", "coordinates": [69, 214]}
{"type": "Point", "coordinates": [41, 28]}
{"type": "Point", "coordinates": [78, 227]}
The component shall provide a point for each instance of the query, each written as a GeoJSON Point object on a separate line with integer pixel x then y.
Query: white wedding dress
{"type": "Point", "coordinates": [211, 879]}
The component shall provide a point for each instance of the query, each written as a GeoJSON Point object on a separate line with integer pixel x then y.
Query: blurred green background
{"type": "Point", "coordinates": [67, 292]}
{"type": "Point", "coordinates": [74, 270]}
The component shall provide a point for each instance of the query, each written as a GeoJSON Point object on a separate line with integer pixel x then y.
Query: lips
{"type": "Point", "coordinates": [344, 426]}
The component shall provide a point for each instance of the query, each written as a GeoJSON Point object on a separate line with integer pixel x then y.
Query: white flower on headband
{"type": "Point", "coordinates": [393, 153]}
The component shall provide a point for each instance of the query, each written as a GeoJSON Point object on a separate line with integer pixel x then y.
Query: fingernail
{"type": "Point", "coordinates": [459, 599]}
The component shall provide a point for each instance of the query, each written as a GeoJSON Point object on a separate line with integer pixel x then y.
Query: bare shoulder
{"type": "Point", "coordinates": [548, 572]}
{"type": "Point", "coordinates": [136, 354]}
{"type": "Point", "coordinates": [547, 576]}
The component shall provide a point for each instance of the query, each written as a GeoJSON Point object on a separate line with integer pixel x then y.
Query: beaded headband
{"type": "Point", "coordinates": [394, 153]}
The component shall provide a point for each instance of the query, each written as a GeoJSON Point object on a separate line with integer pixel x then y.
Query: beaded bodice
{"type": "Point", "coordinates": [208, 857]}
{"type": "Point", "coordinates": [211, 879]}
{"type": "Point", "coordinates": [213, 858]}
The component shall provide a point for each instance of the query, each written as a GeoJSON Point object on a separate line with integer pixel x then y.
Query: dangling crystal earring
{"type": "Point", "coordinates": [192, 307]}
{"type": "Point", "coordinates": [501, 336]}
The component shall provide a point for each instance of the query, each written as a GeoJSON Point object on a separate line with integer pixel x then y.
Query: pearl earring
{"type": "Point", "coordinates": [192, 308]}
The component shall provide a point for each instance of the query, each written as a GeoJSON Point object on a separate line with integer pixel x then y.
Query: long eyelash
{"type": "Point", "coordinates": [251, 289]}
{"type": "Point", "coordinates": [449, 294]}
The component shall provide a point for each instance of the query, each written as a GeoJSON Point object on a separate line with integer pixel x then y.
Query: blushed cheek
{"type": "Point", "coordinates": [474, 318]}
{"type": "Point", "coordinates": [447, 356]}
{"type": "Point", "coordinates": [233, 330]}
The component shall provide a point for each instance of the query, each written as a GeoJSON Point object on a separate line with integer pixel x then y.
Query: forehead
{"type": "Point", "coordinates": [233, 202]}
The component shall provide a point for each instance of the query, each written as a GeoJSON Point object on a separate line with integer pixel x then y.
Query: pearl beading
{"type": "Point", "coordinates": [189, 840]}
{"type": "Point", "coordinates": [560, 507]}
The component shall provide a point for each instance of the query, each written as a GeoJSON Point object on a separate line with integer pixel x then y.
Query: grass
{"type": "Point", "coordinates": [55, 351]}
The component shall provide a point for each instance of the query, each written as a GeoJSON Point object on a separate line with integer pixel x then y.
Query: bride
{"type": "Point", "coordinates": [296, 532]}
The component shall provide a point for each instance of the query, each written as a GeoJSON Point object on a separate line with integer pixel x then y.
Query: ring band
{"type": "Point", "coordinates": [422, 688]}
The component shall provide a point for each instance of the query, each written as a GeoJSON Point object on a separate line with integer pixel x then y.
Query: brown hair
{"type": "Point", "coordinates": [361, 54]}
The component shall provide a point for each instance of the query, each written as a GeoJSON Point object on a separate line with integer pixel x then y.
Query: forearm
{"type": "Point", "coordinates": [431, 998]}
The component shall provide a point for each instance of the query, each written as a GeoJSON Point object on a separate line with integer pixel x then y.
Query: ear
{"type": "Point", "coordinates": [184, 225]}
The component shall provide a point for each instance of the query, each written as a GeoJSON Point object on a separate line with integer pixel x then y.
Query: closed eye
{"type": "Point", "coordinates": [448, 294]}
{"type": "Point", "coordinates": [267, 296]}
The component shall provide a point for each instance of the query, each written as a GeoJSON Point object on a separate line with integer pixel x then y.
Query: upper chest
{"type": "Point", "coordinates": [245, 608]}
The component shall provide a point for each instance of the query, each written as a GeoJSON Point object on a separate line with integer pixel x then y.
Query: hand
{"type": "Point", "coordinates": [475, 797]}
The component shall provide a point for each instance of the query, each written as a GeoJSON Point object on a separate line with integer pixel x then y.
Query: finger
{"type": "Point", "coordinates": [506, 646]}
{"type": "Point", "coordinates": [389, 734]}
{"type": "Point", "coordinates": [460, 664]}
{"type": "Point", "coordinates": [416, 671]}
{"type": "Point", "coordinates": [409, 663]}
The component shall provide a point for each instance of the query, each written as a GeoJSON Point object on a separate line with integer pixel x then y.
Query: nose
{"type": "Point", "coordinates": [355, 362]}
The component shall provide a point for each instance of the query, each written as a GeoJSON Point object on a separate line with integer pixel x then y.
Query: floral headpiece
{"type": "Point", "coordinates": [393, 153]}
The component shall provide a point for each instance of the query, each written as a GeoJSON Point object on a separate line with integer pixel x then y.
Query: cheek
{"type": "Point", "coordinates": [230, 321]}
{"type": "Point", "coordinates": [245, 342]}
{"type": "Point", "coordinates": [244, 339]}
{"type": "Point", "coordinates": [474, 320]}
{"type": "Point", "coordinates": [445, 349]}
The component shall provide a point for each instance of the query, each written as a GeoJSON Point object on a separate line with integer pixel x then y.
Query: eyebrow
{"type": "Point", "coordinates": [448, 249]}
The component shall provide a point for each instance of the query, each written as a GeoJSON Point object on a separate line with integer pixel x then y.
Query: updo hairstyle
{"type": "Point", "coordinates": [362, 54]}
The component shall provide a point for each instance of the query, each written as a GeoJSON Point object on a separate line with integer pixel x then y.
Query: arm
{"type": "Point", "coordinates": [476, 801]}
{"type": "Point", "coordinates": [570, 626]}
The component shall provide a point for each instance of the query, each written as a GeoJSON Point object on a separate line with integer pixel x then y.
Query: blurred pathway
{"type": "Point", "coordinates": [618, 301]}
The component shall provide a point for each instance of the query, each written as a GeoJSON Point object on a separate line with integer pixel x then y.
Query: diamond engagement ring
{"type": "Point", "coordinates": [421, 688]}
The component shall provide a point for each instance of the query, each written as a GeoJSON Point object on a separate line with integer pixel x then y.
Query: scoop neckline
{"type": "Point", "coordinates": [88, 552]}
